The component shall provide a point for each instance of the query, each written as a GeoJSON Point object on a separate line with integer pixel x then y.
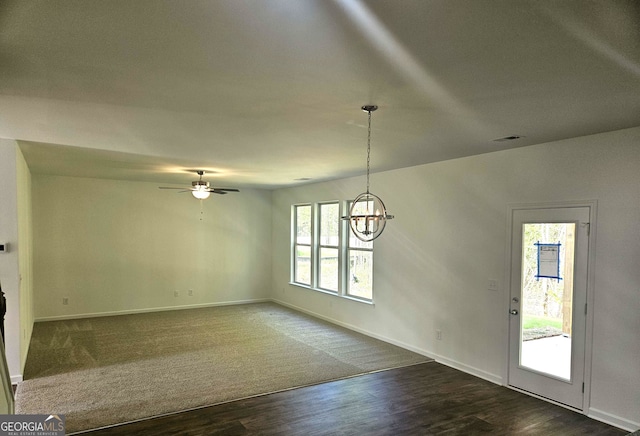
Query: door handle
{"type": "Point", "coordinates": [513, 311]}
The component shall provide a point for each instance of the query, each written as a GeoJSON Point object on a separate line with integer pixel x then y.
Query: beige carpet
{"type": "Point", "coordinates": [104, 371]}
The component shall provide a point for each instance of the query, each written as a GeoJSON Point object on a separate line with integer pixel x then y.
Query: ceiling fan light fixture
{"type": "Point", "coordinates": [201, 189]}
{"type": "Point", "coordinates": [367, 215]}
{"type": "Point", "coordinates": [201, 192]}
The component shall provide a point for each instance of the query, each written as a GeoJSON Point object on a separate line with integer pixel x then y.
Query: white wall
{"type": "Point", "coordinates": [116, 246]}
{"type": "Point", "coordinates": [15, 265]}
{"type": "Point", "coordinates": [25, 254]}
{"type": "Point", "coordinates": [450, 236]}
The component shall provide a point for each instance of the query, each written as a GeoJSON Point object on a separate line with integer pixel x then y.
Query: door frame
{"type": "Point", "coordinates": [588, 346]}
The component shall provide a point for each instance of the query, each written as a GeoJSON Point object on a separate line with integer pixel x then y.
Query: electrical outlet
{"type": "Point", "coordinates": [439, 334]}
{"type": "Point", "coordinates": [176, 293]}
{"type": "Point", "coordinates": [190, 292]}
{"type": "Point", "coordinates": [65, 301]}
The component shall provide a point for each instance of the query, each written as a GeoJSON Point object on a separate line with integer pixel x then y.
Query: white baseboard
{"type": "Point", "coordinates": [596, 414]}
{"type": "Point", "coordinates": [493, 378]}
{"type": "Point", "coordinates": [400, 344]}
{"type": "Point", "coordinates": [614, 420]}
{"type": "Point", "coordinates": [147, 310]}
{"type": "Point", "coordinates": [15, 379]}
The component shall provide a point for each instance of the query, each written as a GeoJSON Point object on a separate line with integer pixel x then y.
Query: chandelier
{"type": "Point", "coordinates": [367, 215]}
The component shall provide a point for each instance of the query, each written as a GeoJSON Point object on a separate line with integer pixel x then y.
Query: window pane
{"type": "Point", "coordinates": [303, 224]}
{"type": "Point", "coordinates": [329, 269]}
{"type": "Point", "coordinates": [361, 274]}
{"type": "Point", "coordinates": [360, 209]}
{"type": "Point", "coordinates": [329, 224]}
{"type": "Point", "coordinates": [357, 243]}
{"type": "Point", "coordinates": [303, 265]}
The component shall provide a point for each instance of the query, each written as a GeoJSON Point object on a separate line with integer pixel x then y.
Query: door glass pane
{"type": "Point", "coordinates": [329, 269]}
{"type": "Point", "coordinates": [361, 274]}
{"type": "Point", "coordinates": [546, 303]}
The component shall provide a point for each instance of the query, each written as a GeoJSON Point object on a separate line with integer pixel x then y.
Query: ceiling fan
{"type": "Point", "coordinates": [201, 189]}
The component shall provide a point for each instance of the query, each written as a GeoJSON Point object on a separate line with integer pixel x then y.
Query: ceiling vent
{"type": "Point", "coordinates": [508, 138]}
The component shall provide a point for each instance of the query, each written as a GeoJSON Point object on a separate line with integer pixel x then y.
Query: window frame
{"type": "Point", "coordinates": [320, 246]}
{"type": "Point", "coordinates": [296, 244]}
{"type": "Point", "coordinates": [349, 249]}
{"type": "Point", "coordinates": [343, 247]}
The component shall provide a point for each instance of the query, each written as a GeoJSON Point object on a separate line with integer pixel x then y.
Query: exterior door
{"type": "Point", "coordinates": [547, 325]}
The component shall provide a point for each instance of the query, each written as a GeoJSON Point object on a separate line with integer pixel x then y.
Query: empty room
{"type": "Point", "coordinates": [321, 217]}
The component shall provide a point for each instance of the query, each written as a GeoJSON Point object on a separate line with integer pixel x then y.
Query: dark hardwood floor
{"type": "Point", "coordinates": [425, 399]}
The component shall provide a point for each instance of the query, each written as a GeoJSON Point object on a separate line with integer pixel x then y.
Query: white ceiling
{"type": "Point", "coordinates": [263, 92]}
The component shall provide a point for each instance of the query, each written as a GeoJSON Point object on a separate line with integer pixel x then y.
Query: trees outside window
{"type": "Point", "coordinates": [326, 256]}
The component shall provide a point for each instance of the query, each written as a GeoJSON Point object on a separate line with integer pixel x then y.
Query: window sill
{"type": "Point", "coordinates": [333, 294]}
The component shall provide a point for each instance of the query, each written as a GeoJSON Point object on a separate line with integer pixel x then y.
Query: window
{"type": "Point", "coordinates": [329, 246]}
{"type": "Point", "coordinates": [325, 254]}
{"type": "Point", "coordinates": [360, 253]}
{"type": "Point", "coordinates": [302, 244]}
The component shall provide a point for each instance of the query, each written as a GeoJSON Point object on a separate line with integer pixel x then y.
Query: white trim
{"type": "Point", "coordinates": [400, 344]}
{"type": "Point", "coordinates": [614, 420]}
{"type": "Point", "coordinates": [506, 295]}
{"type": "Point", "coordinates": [540, 397]}
{"type": "Point", "coordinates": [591, 290]}
{"type": "Point", "coordinates": [493, 378]}
{"type": "Point", "coordinates": [553, 204]}
{"type": "Point", "coordinates": [319, 246]}
{"type": "Point", "coordinates": [147, 310]}
{"type": "Point", "coordinates": [15, 379]}
{"type": "Point", "coordinates": [333, 294]}
{"type": "Point", "coordinates": [593, 207]}
{"type": "Point", "coordinates": [315, 246]}
{"type": "Point", "coordinates": [596, 414]}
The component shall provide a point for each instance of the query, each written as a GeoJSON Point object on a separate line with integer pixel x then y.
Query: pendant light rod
{"type": "Point", "coordinates": [369, 109]}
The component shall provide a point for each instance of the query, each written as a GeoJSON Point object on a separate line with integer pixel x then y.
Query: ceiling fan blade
{"type": "Point", "coordinates": [220, 191]}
